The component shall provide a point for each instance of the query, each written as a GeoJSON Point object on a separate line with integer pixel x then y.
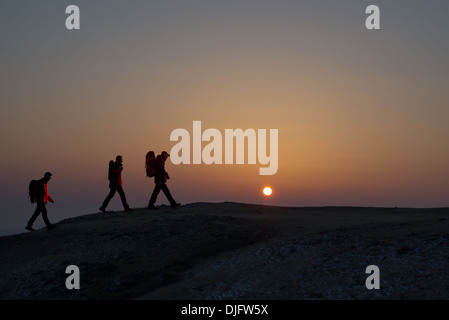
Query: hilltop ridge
{"type": "Point", "coordinates": [233, 251]}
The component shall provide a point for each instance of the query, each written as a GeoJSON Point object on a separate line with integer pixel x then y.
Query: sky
{"type": "Point", "coordinates": [361, 114]}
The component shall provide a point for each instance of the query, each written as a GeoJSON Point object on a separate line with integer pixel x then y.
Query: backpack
{"type": "Point", "coordinates": [110, 174]}
{"type": "Point", "coordinates": [32, 190]}
{"type": "Point", "coordinates": [150, 160]}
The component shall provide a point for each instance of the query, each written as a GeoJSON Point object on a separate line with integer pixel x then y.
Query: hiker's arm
{"type": "Point", "coordinates": [163, 170]}
{"type": "Point", "coordinates": [51, 199]}
{"type": "Point", "coordinates": [117, 169]}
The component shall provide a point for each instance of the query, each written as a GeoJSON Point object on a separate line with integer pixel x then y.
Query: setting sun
{"type": "Point", "coordinates": [267, 191]}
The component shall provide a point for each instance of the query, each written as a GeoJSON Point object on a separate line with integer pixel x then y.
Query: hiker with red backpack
{"type": "Point", "coordinates": [160, 179]}
{"type": "Point", "coordinates": [38, 191]}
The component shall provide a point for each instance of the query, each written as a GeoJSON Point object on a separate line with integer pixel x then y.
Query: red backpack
{"type": "Point", "coordinates": [150, 160]}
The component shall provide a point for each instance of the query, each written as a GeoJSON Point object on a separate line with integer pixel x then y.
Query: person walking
{"type": "Point", "coordinates": [41, 196]}
{"type": "Point", "coordinates": [115, 184]}
{"type": "Point", "coordinates": [160, 179]}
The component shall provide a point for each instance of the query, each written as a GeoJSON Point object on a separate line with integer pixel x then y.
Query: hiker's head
{"type": "Point", "coordinates": [119, 159]}
{"type": "Point", "coordinates": [47, 176]}
{"type": "Point", "coordinates": [165, 155]}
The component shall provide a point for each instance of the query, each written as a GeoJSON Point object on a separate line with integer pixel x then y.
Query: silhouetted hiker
{"type": "Point", "coordinates": [160, 177]}
{"type": "Point", "coordinates": [115, 184]}
{"type": "Point", "coordinates": [39, 194]}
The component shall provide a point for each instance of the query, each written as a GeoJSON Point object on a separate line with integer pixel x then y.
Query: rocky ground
{"type": "Point", "coordinates": [232, 251]}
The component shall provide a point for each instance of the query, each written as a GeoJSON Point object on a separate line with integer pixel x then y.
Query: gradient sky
{"type": "Point", "coordinates": [362, 115]}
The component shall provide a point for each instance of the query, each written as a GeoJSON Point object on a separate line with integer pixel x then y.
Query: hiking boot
{"type": "Point", "coordinates": [104, 210]}
{"type": "Point", "coordinates": [30, 228]}
{"type": "Point", "coordinates": [152, 206]}
{"type": "Point", "coordinates": [176, 204]}
{"type": "Point", "coordinates": [129, 209]}
{"type": "Point", "coordinates": [51, 226]}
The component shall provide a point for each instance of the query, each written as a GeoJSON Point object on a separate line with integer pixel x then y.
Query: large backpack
{"type": "Point", "coordinates": [32, 190]}
{"type": "Point", "coordinates": [110, 174]}
{"type": "Point", "coordinates": [150, 160]}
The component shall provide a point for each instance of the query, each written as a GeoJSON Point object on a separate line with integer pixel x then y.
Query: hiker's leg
{"type": "Point", "coordinates": [35, 215]}
{"type": "Point", "coordinates": [45, 216]}
{"type": "Point", "coordinates": [157, 189]}
{"type": "Point", "coordinates": [168, 194]}
{"type": "Point", "coordinates": [109, 197]}
{"type": "Point", "coordinates": [122, 197]}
